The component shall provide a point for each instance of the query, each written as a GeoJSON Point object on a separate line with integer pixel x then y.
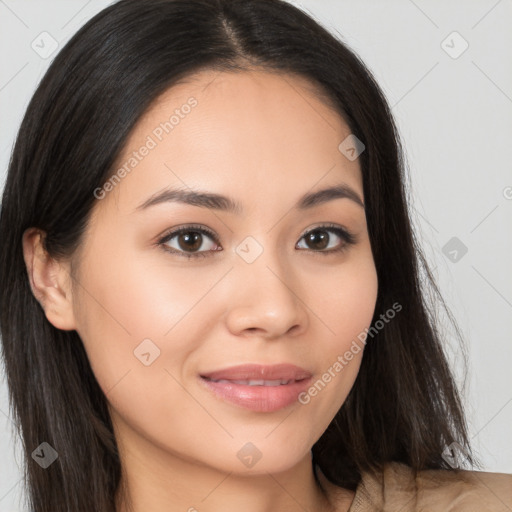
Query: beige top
{"type": "Point", "coordinates": [396, 490]}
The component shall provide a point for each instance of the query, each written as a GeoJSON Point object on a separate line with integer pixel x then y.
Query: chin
{"type": "Point", "coordinates": [260, 458]}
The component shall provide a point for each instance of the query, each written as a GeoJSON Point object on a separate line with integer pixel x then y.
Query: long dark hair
{"type": "Point", "coordinates": [404, 405]}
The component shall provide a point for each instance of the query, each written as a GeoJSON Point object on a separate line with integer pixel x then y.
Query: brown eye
{"type": "Point", "coordinates": [327, 239]}
{"type": "Point", "coordinates": [190, 242]}
{"type": "Point", "coordinates": [317, 240]}
{"type": "Point", "coordinates": [194, 242]}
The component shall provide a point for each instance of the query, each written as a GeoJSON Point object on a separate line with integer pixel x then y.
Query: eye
{"type": "Point", "coordinates": [319, 240]}
{"type": "Point", "coordinates": [188, 240]}
{"type": "Point", "coordinates": [192, 241]}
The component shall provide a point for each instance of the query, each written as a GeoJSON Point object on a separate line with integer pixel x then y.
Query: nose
{"type": "Point", "coordinates": [267, 300]}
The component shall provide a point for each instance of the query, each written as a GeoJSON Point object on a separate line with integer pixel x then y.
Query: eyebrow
{"type": "Point", "coordinates": [222, 203]}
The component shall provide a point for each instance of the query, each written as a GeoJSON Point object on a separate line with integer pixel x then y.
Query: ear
{"type": "Point", "coordinates": [50, 281]}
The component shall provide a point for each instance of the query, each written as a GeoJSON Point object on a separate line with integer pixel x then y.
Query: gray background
{"type": "Point", "coordinates": [454, 111]}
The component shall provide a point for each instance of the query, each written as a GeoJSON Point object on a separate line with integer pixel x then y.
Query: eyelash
{"type": "Point", "coordinates": [347, 237]}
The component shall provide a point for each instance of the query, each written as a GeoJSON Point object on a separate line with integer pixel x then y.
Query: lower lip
{"type": "Point", "coordinates": [258, 398]}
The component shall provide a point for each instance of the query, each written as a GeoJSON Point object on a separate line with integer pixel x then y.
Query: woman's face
{"type": "Point", "coordinates": [256, 291]}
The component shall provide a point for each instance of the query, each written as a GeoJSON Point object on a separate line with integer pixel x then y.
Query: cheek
{"type": "Point", "coordinates": [122, 302]}
{"type": "Point", "coordinates": [127, 296]}
{"type": "Point", "coordinates": [140, 320]}
{"type": "Point", "coordinates": [348, 298]}
{"type": "Point", "coordinates": [346, 304]}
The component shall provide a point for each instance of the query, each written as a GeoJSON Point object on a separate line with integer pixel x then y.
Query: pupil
{"type": "Point", "coordinates": [187, 238]}
{"type": "Point", "coordinates": [319, 236]}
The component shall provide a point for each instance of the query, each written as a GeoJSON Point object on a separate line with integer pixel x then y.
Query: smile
{"type": "Point", "coordinates": [259, 388]}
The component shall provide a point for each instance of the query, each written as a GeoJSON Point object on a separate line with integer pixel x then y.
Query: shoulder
{"type": "Point", "coordinates": [396, 487]}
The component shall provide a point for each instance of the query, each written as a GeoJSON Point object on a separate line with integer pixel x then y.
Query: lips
{"type": "Point", "coordinates": [256, 382]}
{"type": "Point", "coordinates": [256, 372]}
{"type": "Point", "coordinates": [258, 388]}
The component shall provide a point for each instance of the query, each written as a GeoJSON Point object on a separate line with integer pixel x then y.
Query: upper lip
{"type": "Point", "coordinates": [259, 371]}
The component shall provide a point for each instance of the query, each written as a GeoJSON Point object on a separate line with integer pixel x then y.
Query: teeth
{"type": "Point", "coordinates": [279, 382]}
{"type": "Point", "coordinates": [273, 382]}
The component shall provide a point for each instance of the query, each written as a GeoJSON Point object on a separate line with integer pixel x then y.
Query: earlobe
{"type": "Point", "coordinates": [49, 281]}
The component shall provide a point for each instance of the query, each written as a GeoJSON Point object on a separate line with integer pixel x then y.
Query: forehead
{"type": "Point", "coordinates": [238, 133]}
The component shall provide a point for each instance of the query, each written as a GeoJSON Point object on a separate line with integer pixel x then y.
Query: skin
{"type": "Point", "coordinates": [264, 140]}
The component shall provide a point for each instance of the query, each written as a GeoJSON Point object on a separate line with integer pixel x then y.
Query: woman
{"type": "Point", "coordinates": [210, 290]}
